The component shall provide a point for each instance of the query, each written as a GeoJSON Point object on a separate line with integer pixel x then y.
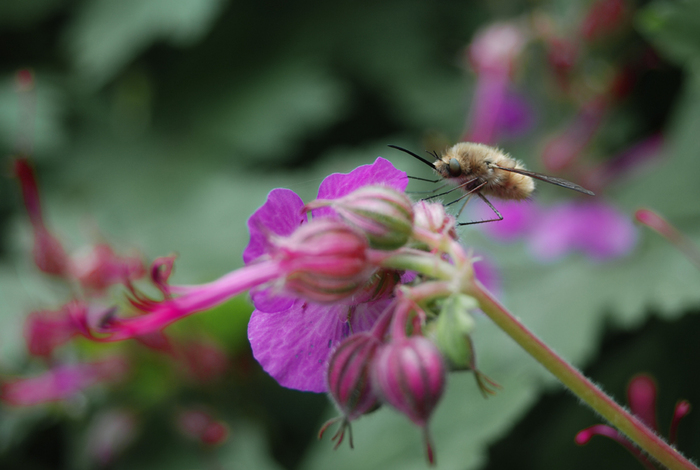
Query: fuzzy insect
{"type": "Point", "coordinates": [486, 171]}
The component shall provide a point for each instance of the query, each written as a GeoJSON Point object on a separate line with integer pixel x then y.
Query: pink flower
{"type": "Point", "coordinates": [201, 426]}
{"type": "Point", "coordinates": [493, 54]}
{"type": "Point", "coordinates": [563, 150]}
{"type": "Point", "coordinates": [641, 396]}
{"type": "Point", "coordinates": [292, 337]}
{"type": "Point", "coordinates": [49, 255]}
{"type": "Point", "coordinates": [62, 382]}
{"type": "Point", "coordinates": [98, 267]}
{"type": "Point", "coordinates": [409, 374]}
{"type": "Point", "coordinates": [46, 330]}
{"type": "Point", "coordinates": [311, 284]}
{"type": "Point", "coordinates": [594, 229]}
{"type": "Point", "coordinates": [604, 18]}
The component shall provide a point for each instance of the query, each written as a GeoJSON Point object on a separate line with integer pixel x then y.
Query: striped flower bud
{"type": "Point", "coordinates": [348, 375]}
{"type": "Point", "coordinates": [383, 214]}
{"type": "Point", "coordinates": [324, 260]}
{"type": "Point", "coordinates": [433, 218]}
{"type": "Point", "coordinates": [348, 380]}
{"type": "Point", "coordinates": [409, 374]}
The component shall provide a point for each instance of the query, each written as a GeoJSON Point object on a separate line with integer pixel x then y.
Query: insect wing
{"type": "Point", "coordinates": [548, 179]}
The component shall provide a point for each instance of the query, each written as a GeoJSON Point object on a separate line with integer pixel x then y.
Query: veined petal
{"type": "Point", "coordinates": [293, 345]}
{"type": "Point", "coordinates": [280, 215]}
{"type": "Point", "coordinates": [337, 185]}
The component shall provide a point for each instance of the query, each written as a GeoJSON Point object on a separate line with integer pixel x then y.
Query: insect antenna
{"type": "Point", "coordinates": [413, 155]}
{"type": "Point", "coordinates": [461, 186]}
{"type": "Point", "coordinates": [427, 192]}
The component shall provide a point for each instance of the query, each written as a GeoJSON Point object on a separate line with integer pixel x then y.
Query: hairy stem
{"type": "Point", "coordinates": [586, 390]}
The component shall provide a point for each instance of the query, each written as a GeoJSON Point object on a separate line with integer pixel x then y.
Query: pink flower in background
{"type": "Point", "coordinates": [561, 151]}
{"type": "Point", "coordinates": [629, 161]}
{"type": "Point", "coordinates": [201, 426]}
{"type": "Point", "coordinates": [493, 54]}
{"type": "Point", "coordinates": [595, 229]}
{"type": "Point", "coordinates": [603, 18]}
{"type": "Point", "coordinates": [98, 267]}
{"type": "Point", "coordinates": [641, 396]}
{"type": "Point", "coordinates": [518, 219]}
{"type": "Point", "coordinates": [49, 254]}
{"type": "Point", "coordinates": [62, 382]}
{"type": "Point", "coordinates": [46, 330]}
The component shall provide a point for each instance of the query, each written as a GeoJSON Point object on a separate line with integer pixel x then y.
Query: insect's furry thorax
{"type": "Point", "coordinates": [479, 171]}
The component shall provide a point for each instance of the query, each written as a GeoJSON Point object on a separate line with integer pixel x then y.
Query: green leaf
{"type": "Point", "coordinates": [674, 28]}
{"type": "Point", "coordinates": [107, 34]}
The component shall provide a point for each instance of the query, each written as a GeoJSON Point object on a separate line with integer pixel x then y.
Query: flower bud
{"type": "Point", "coordinates": [383, 214]}
{"type": "Point", "coordinates": [348, 382]}
{"type": "Point", "coordinates": [324, 260]}
{"type": "Point", "coordinates": [409, 374]}
{"type": "Point", "coordinates": [348, 375]}
{"type": "Point", "coordinates": [452, 330]}
{"type": "Point", "coordinates": [433, 218]}
{"type": "Point", "coordinates": [49, 255]}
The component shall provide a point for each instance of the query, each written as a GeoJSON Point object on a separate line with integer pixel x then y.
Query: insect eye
{"type": "Point", "coordinates": [455, 168]}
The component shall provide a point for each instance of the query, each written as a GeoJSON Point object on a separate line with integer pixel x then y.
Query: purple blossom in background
{"type": "Point", "coordinates": [518, 219]}
{"type": "Point", "coordinates": [595, 229]}
{"type": "Point", "coordinates": [493, 54]}
{"type": "Point", "coordinates": [291, 337]}
{"type": "Point", "coordinates": [517, 116]}
{"type": "Point", "coordinates": [641, 396]}
{"type": "Point", "coordinates": [62, 382]}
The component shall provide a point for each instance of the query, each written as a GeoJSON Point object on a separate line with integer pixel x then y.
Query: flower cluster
{"type": "Point", "coordinates": [94, 276]}
{"type": "Point", "coordinates": [359, 293]}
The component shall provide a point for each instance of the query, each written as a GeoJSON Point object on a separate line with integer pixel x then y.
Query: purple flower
{"type": "Point", "coordinates": [292, 337]}
{"type": "Point", "coordinates": [62, 382]}
{"type": "Point", "coordinates": [597, 230]}
{"type": "Point", "coordinates": [493, 54]}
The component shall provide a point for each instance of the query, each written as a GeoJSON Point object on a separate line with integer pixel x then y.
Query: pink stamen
{"type": "Point", "coordinates": [641, 396]}
{"type": "Point", "coordinates": [682, 409]}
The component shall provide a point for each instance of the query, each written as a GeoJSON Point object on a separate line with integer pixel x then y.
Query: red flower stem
{"type": "Point", "coordinates": [197, 300]}
{"type": "Point", "coordinates": [579, 385]}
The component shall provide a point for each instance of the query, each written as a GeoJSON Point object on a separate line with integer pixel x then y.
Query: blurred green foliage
{"type": "Point", "coordinates": [161, 125]}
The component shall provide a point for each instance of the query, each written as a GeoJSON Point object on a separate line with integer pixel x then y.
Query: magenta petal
{"type": "Point", "coordinates": [337, 185]}
{"type": "Point", "coordinates": [553, 235]}
{"type": "Point", "coordinates": [518, 218]}
{"type": "Point", "coordinates": [293, 346]}
{"type": "Point", "coordinates": [596, 229]}
{"type": "Point", "coordinates": [281, 215]}
{"type": "Point", "coordinates": [605, 232]}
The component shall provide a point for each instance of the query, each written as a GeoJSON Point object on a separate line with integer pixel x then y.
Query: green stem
{"type": "Point", "coordinates": [586, 390]}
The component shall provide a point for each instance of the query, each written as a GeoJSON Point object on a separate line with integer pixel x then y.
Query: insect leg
{"type": "Point", "coordinates": [498, 214]}
{"type": "Point", "coordinates": [424, 179]}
